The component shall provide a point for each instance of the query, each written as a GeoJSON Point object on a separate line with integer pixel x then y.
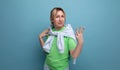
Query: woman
{"type": "Point", "coordinates": [61, 41]}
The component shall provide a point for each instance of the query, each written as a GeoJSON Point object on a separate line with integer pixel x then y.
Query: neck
{"type": "Point", "coordinates": [58, 28]}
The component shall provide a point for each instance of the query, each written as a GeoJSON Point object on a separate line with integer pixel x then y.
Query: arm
{"type": "Point", "coordinates": [43, 34]}
{"type": "Point", "coordinates": [79, 35]}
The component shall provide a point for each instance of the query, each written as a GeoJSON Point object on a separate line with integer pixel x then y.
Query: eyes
{"type": "Point", "coordinates": [58, 16]}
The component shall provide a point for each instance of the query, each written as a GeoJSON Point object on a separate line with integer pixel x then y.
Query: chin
{"type": "Point", "coordinates": [60, 25]}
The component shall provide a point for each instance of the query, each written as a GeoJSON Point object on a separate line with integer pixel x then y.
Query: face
{"type": "Point", "coordinates": [59, 20]}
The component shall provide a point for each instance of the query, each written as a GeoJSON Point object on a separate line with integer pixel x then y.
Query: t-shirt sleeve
{"type": "Point", "coordinates": [71, 43]}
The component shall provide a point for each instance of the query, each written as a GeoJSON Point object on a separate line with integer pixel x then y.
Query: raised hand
{"type": "Point", "coordinates": [79, 34]}
{"type": "Point", "coordinates": [44, 33]}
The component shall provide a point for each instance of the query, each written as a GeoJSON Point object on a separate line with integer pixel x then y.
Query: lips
{"type": "Point", "coordinates": [60, 23]}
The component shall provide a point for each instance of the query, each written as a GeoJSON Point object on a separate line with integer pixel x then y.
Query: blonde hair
{"type": "Point", "coordinates": [54, 12]}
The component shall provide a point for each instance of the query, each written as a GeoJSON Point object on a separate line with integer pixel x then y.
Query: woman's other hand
{"type": "Point", "coordinates": [44, 33]}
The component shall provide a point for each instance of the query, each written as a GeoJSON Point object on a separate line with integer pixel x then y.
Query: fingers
{"type": "Point", "coordinates": [77, 31]}
{"type": "Point", "coordinates": [47, 30]}
{"type": "Point", "coordinates": [44, 33]}
{"type": "Point", "coordinates": [81, 30]}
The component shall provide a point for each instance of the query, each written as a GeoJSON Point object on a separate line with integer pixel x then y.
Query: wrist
{"type": "Point", "coordinates": [80, 42]}
{"type": "Point", "coordinates": [40, 37]}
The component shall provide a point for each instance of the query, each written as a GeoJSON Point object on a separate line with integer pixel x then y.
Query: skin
{"type": "Point", "coordinates": [58, 21]}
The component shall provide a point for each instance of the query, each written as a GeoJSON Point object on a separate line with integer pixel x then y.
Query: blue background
{"type": "Point", "coordinates": [21, 21]}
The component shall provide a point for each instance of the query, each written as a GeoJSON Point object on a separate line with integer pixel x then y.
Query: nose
{"type": "Point", "coordinates": [60, 18]}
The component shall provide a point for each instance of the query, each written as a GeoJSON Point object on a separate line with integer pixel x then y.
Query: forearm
{"type": "Point", "coordinates": [77, 50]}
{"type": "Point", "coordinates": [41, 41]}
